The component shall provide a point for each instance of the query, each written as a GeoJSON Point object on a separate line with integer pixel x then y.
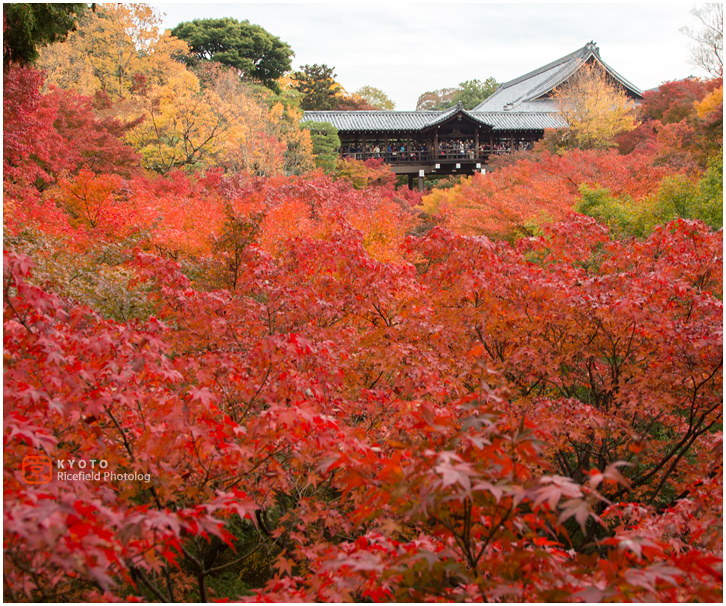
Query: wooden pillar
{"type": "Point", "coordinates": [410, 181]}
{"type": "Point", "coordinates": [363, 146]}
{"type": "Point", "coordinates": [476, 143]}
{"type": "Point", "coordinates": [420, 183]}
{"type": "Point", "coordinates": [436, 145]}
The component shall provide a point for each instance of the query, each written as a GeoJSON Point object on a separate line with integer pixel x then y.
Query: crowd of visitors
{"type": "Point", "coordinates": [449, 149]}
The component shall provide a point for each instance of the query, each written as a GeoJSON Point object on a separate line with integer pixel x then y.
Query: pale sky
{"type": "Point", "coordinates": [407, 48]}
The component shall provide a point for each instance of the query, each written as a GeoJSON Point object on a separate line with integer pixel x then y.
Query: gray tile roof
{"type": "Point", "coordinates": [522, 93]}
{"type": "Point", "coordinates": [388, 120]}
{"type": "Point", "coordinates": [521, 120]}
{"type": "Point", "coordinates": [374, 120]}
{"type": "Point", "coordinates": [416, 121]}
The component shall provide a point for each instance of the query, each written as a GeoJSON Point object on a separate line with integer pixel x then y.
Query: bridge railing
{"type": "Point", "coordinates": [413, 157]}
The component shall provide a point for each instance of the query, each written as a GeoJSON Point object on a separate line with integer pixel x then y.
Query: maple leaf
{"type": "Point", "coordinates": [203, 395]}
{"type": "Point", "coordinates": [554, 489]}
{"type": "Point", "coordinates": [577, 508]}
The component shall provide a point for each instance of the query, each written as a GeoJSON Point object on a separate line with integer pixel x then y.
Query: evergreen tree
{"type": "Point", "coordinates": [239, 44]}
{"type": "Point", "coordinates": [28, 26]}
{"type": "Point", "coordinates": [318, 87]}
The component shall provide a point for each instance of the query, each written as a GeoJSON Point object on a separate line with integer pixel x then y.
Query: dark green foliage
{"type": "Point", "coordinates": [318, 87]}
{"type": "Point", "coordinates": [470, 93]}
{"type": "Point", "coordinates": [239, 44]}
{"type": "Point", "coordinates": [27, 26]}
{"type": "Point", "coordinates": [325, 143]}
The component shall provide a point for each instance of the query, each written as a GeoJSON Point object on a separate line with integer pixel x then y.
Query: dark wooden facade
{"type": "Point", "coordinates": [459, 145]}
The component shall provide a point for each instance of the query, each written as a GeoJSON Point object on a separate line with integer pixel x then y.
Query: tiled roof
{"type": "Point", "coordinates": [374, 120]}
{"type": "Point", "coordinates": [416, 121]}
{"type": "Point", "coordinates": [520, 94]}
{"type": "Point", "coordinates": [521, 120]}
{"type": "Point", "coordinates": [389, 120]}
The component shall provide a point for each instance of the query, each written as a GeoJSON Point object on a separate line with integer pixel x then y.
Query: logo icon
{"type": "Point", "coordinates": [37, 469]}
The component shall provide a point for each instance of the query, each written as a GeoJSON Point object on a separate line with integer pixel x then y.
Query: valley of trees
{"type": "Point", "coordinates": [317, 386]}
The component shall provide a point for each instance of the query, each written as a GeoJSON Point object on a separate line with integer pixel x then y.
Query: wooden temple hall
{"type": "Point", "coordinates": [460, 141]}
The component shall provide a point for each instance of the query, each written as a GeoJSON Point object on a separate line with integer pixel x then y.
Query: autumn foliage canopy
{"type": "Point", "coordinates": [312, 387]}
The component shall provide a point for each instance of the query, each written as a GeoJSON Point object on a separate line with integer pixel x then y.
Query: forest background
{"type": "Point", "coordinates": [506, 388]}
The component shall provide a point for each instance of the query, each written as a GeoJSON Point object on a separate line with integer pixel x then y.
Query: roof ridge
{"type": "Point", "coordinates": [508, 113]}
{"type": "Point", "coordinates": [557, 78]}
{"type": "Point", "coordinates": [590, 47]}
{"type": "Point", "coordinates": [377, 112]}
{"type": "Point", "coordinates": [452, 111]}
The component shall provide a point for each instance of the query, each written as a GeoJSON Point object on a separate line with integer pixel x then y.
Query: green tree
{"type": "Point", "coordinates": [325, 143]}
{"type": "Point", "coordinates": [239, 44]}
{"type": "Point", "coordinates": [470, 93]}
{"type": "Point", "coordinates": [318, 87]}
{"type": "Point", "coordinates": [376, 97]}
{"type": "Point", "coordinates": [27, 26]}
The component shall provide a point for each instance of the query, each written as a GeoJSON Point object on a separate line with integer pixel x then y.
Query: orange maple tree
{"type": "Point", "coordinates": [538, 189]}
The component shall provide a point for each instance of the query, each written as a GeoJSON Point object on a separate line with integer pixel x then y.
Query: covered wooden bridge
{"type": "Point", "coordinates": [460, 141]}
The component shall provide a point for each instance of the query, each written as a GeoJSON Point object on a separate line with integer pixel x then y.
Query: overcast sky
{"type": "Point", "coordinates": [407, 48]}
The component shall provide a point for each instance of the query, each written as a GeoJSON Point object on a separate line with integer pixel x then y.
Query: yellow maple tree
{"type": "Point", "coordinates": [185, 126]}
{"type": "Point", "coordinates": [595, 107]}
{"type": "Point", "coordinates": [268, 139]}
{"type": "Point", "coordinates": [117, 48]}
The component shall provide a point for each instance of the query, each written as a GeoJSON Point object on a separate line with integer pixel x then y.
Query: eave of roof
{"type": "Point", "coordinates": [579, 55]}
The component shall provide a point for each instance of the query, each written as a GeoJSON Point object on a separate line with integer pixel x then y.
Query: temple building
{"type": "Point", "coordinates": [460, 141]}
